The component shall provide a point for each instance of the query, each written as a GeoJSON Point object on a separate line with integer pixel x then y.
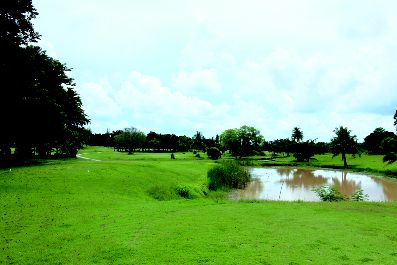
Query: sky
{"type": "Point", "coordinates": [181, 66]}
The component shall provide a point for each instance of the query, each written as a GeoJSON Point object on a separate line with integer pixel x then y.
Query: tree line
{"type": "Point", "coordinates": [248, 141]}
{"type": "Point", "coordinates": [40, 112]}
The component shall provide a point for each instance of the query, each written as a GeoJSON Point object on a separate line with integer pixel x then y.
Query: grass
{"type": "Point", "coordinates": [80, 211]}
{"type": "Point", "coordinates": [363, 163]}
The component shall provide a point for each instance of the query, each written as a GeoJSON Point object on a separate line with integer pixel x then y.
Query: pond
{"type": "Point", "coordinates": [291, 184]}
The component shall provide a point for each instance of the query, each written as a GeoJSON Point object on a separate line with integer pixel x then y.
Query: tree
{"type": "Point", "coordinates": [36, 92]}
{"type": "Point", "coordinates": [280, 146]}
{"type": "Point", "coordinates": [184, 143]}
{"type": "Point", "coordinates": [198, 141]}
{"type": "Point", "coordinates": [214, 153]}
{"type": "Point", "coordinates": [230, 141]}
{"type": "Point", "coordinates": [16, 27]}
{"type": "Point", "coordinates": [303, 151]}
{"type": "Point", "coordinates": [250, 140]}
{"type": "Point", "coordinates": [373, 142]}
{"type": "Point", "coordinates": [344, 143]}
{"type": "Point", "coordinates": [130, 140]}
{"type": "Point", "coordinates": [242, 141]}
{"type": "Point", "coordinates": [389, 146]}
{"type": "Point", "coordinates": [297, 135]}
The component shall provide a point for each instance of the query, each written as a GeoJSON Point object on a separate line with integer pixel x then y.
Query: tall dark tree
{"type": "Point", "coordinates": [373, 142]}
{"type": "Point", "coordinates": [16, 30]}
{"type": "Point", "coordinates": [297, 135]}
{"type": "Point", "coordinates": [344, 143]}
{"type": "Point", "coordinates": [389, 146]}
{"type": "Point", "coordinates": [36, 94]}
{"type": "Point", "coordinates": [198, 141]}
{"type": "Point", "coordinates": [16, 27]}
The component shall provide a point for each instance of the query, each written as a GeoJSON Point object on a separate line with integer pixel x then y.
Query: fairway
{"type": "Point", "coordinates": [82, 211]}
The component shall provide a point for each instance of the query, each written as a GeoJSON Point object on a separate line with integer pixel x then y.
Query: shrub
{"type": "Point", "coordinates": [162, 193]}
{"type": "Point", "coordinates": [197, 155]}
{"type": "Point", "coordinates": [166, 193]}
{"type": "Point", "coordinates": [214, 153]}
{"type": "Point", "coordinates": [329, 193]}
{"type": "Point", "coordinates": [229, 174]}
{"type": "Point", "coordinates": [189, 192]}
{"type": "Point", "coordinates": [359, 196]}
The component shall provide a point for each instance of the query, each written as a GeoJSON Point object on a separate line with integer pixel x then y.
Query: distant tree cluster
{"type": "Point", "coordinates": [132, 140]}
{"type": "Point", "coordinates": [40, 112]}
{"type": "Point", "coordinates": [247, 140]}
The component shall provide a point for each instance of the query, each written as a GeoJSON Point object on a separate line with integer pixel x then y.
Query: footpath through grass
{"type": "Point", "coordinates": [81, 211]}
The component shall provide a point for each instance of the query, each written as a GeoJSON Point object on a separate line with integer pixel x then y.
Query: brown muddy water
{"type": "Point", "coordinates": [291, 184]}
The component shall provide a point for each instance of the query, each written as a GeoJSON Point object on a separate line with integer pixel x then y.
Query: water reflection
{"type": "Point", "coordinates": [288, 183]}
{"type": "Point", "coordinates": [346, 186]}
{"type": "Point", "coordinates": [301, 178]}
{"type": "Point", "coordinates": [389, 189]}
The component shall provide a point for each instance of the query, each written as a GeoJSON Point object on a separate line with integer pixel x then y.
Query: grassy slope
{"type": "Point", "coordinates": [80, 211]}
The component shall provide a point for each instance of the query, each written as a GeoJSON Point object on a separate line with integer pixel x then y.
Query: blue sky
{"type": "Point", "coordinates": [184, 66]}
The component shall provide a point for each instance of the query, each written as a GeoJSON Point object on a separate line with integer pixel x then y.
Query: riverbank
{"type": "Point", "coordinates": [371, 164]}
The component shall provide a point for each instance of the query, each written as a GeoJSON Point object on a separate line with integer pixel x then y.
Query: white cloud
{"type": "Point", "coordinates": [201, 83]}
{"type": "Point", "coordinates": [213, 65]}
{"type": "Point", "coordinates": [142, 101]}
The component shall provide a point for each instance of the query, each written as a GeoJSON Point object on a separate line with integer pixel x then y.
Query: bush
{"type": "Point", "coordinates": [329, 194]}
{"type": "Point", "coordinates": [332, 194]}
{"type": "Point", "coordinates": [229, 174]}
{"type": "Point", "coordinates": [166, 193]}
{"type": "Point", "coordinates": [162, 193]}
{"type": "Point", "coordinates": [189, 192]}
{"type": "Point", "coordinates": [214, 153]}
{"type": "Point", "coordinates": [359, 196]}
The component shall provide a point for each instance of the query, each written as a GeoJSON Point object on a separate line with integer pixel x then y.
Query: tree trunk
{"type": "Point", "coordinates": [344, 160]}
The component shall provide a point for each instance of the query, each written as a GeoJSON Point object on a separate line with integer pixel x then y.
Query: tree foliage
{"type": "Point", "coordinates": [214, 153]}
{"type": "Point", "coordinates": [297, 135]}
{"type": "Point", "coordinates": [389, 146]}
{"type": "Point", "coordinates": [130, 140]}
{"type": "Point", "coordinates": [344, 143]}
{"type": "Point", "coordinates": [242, 141]}
{"type": "Point", "coordinates": [39, 109]}
{"type": "Point", "coordinates": [303, 151]}
{"type": "Point", "coordinates": [373, 142]}
{"type": "Point", "coordinates": [16, 27]}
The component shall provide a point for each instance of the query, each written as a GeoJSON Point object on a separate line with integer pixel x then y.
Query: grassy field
{"type": "Point", "coordinates": [82, 211]}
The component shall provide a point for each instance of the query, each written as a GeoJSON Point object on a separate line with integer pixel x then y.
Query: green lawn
{"type": "Point", "coordinates": [81, 211]}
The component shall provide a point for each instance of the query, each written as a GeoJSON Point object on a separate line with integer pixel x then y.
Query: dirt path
{"type": "Point", "coordinates": [91, 159]}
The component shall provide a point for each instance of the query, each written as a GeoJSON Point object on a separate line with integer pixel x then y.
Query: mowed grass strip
{"type": "Point", "coordinates": [363, 163]}
{"type": "Point", "coordinates": [84, 212]}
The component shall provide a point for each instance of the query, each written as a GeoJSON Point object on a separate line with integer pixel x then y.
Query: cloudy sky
{"type": "Point", "coordinates": [181, 66]}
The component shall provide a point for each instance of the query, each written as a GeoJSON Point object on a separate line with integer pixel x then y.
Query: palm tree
{"type": "Point", "coordinates": [344, 143]}
{"type": "Point", "coordinates": [297, 134]}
